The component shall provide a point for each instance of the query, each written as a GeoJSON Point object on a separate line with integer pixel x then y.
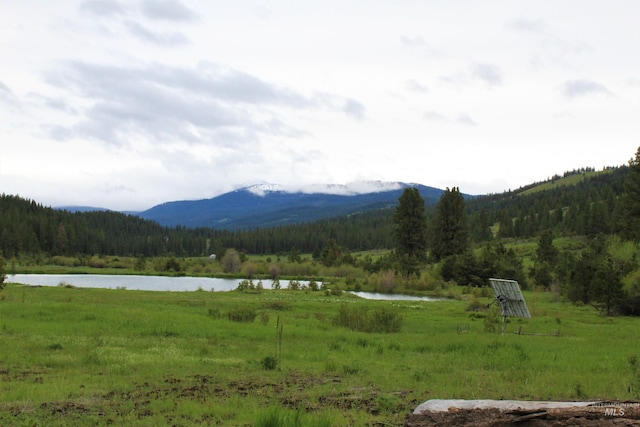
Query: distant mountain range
{"type": "Point", "coordinates": [268, 205]}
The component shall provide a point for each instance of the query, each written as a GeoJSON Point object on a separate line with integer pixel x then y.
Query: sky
{"type": "Point", "coordinates": [128, 104]}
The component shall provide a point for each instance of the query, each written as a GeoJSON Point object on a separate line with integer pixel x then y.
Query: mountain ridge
{"type": "Point", "coordinates": [266, 205]}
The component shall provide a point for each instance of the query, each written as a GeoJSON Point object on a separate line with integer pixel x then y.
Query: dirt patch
{"type": "Point", "coordinates": [607, 414]}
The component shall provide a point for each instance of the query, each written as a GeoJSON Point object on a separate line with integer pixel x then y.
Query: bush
{"type": "Point", "coordinates": [362, 319]}
{"type": "Point", "coordinates": [214, 313]}
{"type": "Point", "coordinates": [242, 314]}
{"type": "Point", "coordinates": [476, 305]}
{"type": "Point", "coordinates": [269, 363]}
{"type": "Point", "coordinates": [277, 305]}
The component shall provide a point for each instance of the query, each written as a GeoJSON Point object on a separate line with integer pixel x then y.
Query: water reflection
{"type": "Point", "coordinates": [393, 297]}
{"type": "Point", "coordinates": [138, 283]}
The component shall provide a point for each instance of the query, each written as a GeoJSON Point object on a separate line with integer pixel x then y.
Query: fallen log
{"type": "Point", "coordinates": [498, 413]}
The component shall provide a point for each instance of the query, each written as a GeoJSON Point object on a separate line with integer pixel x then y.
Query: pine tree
{"type": "Point", "coordinates": [410, 231]}
{"type": "Point", "coordinates": [606, 287]}
{"type": "Point", "coordinates": [449, 226]}
{"type": "Point", "coordinates": [546, 259]}
{"type": "Point", "coordinates": [630, 201]}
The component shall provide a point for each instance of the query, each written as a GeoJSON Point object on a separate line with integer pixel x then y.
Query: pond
{"type": "Point", "coordinates": [137, 283]}
{"type": "Point", "coordinates": [166, 283]}
{"type": "Point", "coordinates": [393, 297]}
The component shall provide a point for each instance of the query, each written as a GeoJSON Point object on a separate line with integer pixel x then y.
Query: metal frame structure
{"type": "Point", "coordinates": [510, 299]}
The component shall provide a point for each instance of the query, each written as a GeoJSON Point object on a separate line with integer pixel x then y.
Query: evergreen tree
{"type": "Point", "coordinates": [410, 231]}
{"type": "Point", "coordinates": [607, 287]}
{"type": "Point", "coordinates": [630, 201]}
{"type": "Point", "coordinates": [581, 277]}
{"type": "Point", "coordinates": [546, 258]}
{"type": "Point", "coordinates": [331, 253]}
{"type": "Point", "coordinates": [546, 252]}
{"type": "Point", "coordinates": [481, 230]}
{"type": "Point", "coordinates": [449, 231]}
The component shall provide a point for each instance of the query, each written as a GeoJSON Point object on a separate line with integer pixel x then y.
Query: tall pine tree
{"type": "Point", "coordinates": [450, 233]}
{"type": "Point", "coordinates": [410, 231]}
{"type": "Point", "coordinates": [629, 221]}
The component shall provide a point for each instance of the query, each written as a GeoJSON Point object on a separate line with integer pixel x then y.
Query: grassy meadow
{"type": "Point", "coordinates": [72, 356]}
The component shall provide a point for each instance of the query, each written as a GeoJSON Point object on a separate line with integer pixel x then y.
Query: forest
{"type": "Point", "coordinates": [580, 229]}
{"type": "Point", "coordinates": [587, 208]}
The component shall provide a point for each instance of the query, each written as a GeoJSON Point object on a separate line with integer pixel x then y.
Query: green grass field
{"type": "Point", "coordinates": [95, 357]}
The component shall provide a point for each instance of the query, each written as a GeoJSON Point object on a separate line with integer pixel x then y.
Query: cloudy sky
{"type": "Point", "coordinates": [127, 104]}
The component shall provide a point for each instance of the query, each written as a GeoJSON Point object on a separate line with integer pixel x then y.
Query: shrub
{"type": "Point", "coordinates": [294, 285]}
{"type": "Point", "coordinates": [362, 319]}
{"type": "Point", "coordinates": [277, 305]}
{"type": "Point", "coordinates": [476, 305]}
{"type": "Point", "coordinates": [242, 314]}
{"type": "Point", "coordinates": [269, 363]}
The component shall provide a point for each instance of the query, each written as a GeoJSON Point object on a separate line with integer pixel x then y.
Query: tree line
{"type": "Point", "coordinates": [28, 228]}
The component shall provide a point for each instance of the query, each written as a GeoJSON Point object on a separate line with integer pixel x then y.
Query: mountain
{"type": "Point", "coordinates": [268, 205]}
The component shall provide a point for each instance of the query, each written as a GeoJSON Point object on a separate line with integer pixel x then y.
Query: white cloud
{"type": "Point", "coordinates": [461, 118]}
{"type": "Point", "coordinates": [581, 87]}
{"type": "Point", "coordinates": [102, 8]}
{"type": "Point", "coordinates": [173, 38]}
{"type": "Point", "coordinates": [415, 86]}
{"type": "Point", "coordinates": [526, 25]}
{"type": "Point", "coordinates": [354, 109]}
{"type": "Point", "coordinates": [488, 73]}
{"type": "Point", "coordinates": [171, 103]}
{"type": "Point", "coordinates": [169, 10]}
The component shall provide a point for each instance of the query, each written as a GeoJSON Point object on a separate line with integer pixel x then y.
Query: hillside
{"type": "Point", "coordinates": [569, 179]}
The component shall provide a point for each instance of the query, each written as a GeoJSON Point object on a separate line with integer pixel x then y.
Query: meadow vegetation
{"type": "Point", "coordinates": [282, 357]}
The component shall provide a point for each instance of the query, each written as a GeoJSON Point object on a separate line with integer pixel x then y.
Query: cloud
{"type": "Point", "coordinates": [525, 25]}
{"type": "Point", "coordinates": [6, 95]}
{"type": "Point", "coordinates": [490, 74]}
{"type": "Point", "coordinates": [465, 119]}
{"type": "Point", "coordinates": [421, 45]}
{"type": "Point", "coordinates": [205, 104]}
{"type": "Point", "coordinates": [354, 109]}
{"type": "Point", "coordinates": [433, 116]}
{"type": "Point", "coordinates": [415, 86]}
{"type": "Point", "coordinates": [460, 119]}
{"type": "Point", "coordinates": [132, 19]}
{"type": "Point", "coordinates": [167, 10]}
{"type": "Point", "coordinates": [355, 187]}
{"type": "Point", "coordinates": [147, 35]}
{"type": "Point", "coordinates": [413, 41]}
{"type": "Point", "coordinates": [578, 88]}
{"type": "Point", "coordinates": [102, 8]}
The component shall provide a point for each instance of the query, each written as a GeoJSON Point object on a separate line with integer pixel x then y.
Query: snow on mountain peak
{"type": "Point", "coordinates": [350, 189]}
{"type": "Point", "coordinates": [263, 188]}
{"type": "Point", "coordinates": [357, 187]}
